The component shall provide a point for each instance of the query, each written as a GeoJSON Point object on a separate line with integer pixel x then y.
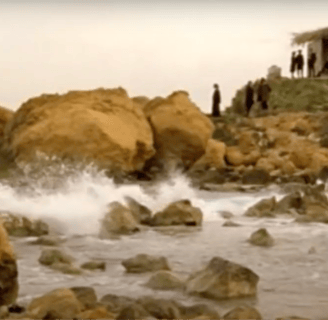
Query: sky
{"type": "Point", "coordinates": [150, 48]}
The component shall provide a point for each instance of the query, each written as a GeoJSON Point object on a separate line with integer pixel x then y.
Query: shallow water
{"type": "Point", "coordinates": [292, 280]}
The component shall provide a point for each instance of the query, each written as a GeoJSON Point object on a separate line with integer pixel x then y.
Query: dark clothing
{"type": "Point", "coordinates": [249, 98]}
{"type": "Point", "coordinates": [216, 103]}
{"type": "Point", "coordinates": [263, 92]}
{"type": "Point", "coordinates": [293, 64]}
{"type": "Point", "coordinates": [299, 64]}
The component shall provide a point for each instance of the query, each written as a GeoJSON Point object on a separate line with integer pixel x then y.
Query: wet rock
{"type": "Point", "coordinates": [118, 220]}
{"type": "Point", "coordinates": [164, 280]}
{"type": "Point", "coordinates": [223, 279]}
{"type": "Point", "coordinates": [57, 304]}
{"type": "Point", "coordinates": [226, 214]}
{"type": "Point", "coordinates": [140, 212]}
{"type": "Point", "coordinates": [145, 263]}
{"type": "Point", "coordinates": [256, 176]}
{"type": "Point", "coordinates": [8, 270]}
{"type": "Point", "coordinates": [243, 312]}
{"type": "Point", "coordinates": [48, 240]}
{"type": "Point", "coordinates": [133, 311]}
{"type": "Point", "coordinates": [178, 213]}
{"type": "Point", "coordinates": [323, 174]}
{"type": "Point", "coordinates": [114, 303]}
{"type": "Point", "coordinates": [98, 313]}
{"type": "Point", "coordinates": [198, 311]}
{"type": "Point", "coordinates": [290, 201]}
{"type": "Point", "coordinates": [94, 265]}
{"type": "Point", "coordinates": [161, 308]}
{"type": "Point", "coordinates": [292, 318]}
{"type": "Point", "coordinates": [51, 256]}
{"type": "Point", "coordinates": [66, 268]}
{"type": "Point", "coordinates": [230, 223]}
{"type": "Point", "coordinates": [20, 226]}
{"type": "Point", "coordinates": [264, 208]}
{"type": "Point", "coordinates": [261, 238]}
{"type": "Point", "coordinates": [86, 295]}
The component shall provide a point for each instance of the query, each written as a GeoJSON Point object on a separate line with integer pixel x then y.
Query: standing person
{"type": "Point", "coordinates": [263, 94]}
{"type": "Point", "coordinates": [249, 100]}
{"type": "Point", "coordinates": [216, 102]}
{"type": "Point", "coordinates": [300, 64]}
{"type": "Point", "coordinates": [293, 64]}
{"type": "Point", "coordinates": [311, 61]}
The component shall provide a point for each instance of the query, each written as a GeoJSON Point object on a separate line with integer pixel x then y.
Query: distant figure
{"type": "Point", "coordinates": [216, 102]}
{"type": "Point", "coordinates": [311, 62]}
{"type": "Point", "coordinates": [300, 64]}
{"type": "Point", "coordinates": [263, 94]}
{"type": "Point", "coordinates": [249, 100]}
{"type": "Point", "coordinates": [293, 64]}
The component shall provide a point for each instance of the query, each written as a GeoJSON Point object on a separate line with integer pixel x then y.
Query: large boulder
{"type": "Point", "coordinates": [178, 213]}
{"type": "Point", "coordinates": [145, 263]}
{"type": "Point", "coordinates": [8, 270]}
{"type": "Point", "coordinates": [57, 304]}
{"type": "Point", "coordinates": [223, 279]}
{"type": "Point", "coordinates": [118, 220]}
{"type": "Point", "coordinates": [103, 126]}
{"type": "Point", "coordinates": [181, 130]}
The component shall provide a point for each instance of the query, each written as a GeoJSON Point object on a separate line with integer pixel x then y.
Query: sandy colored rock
{"type": "Point", "coordinates": [145, 263]}
{"type": "Point", "coordinates": [222, 279]}
{"type": "Point", "coordinates": [265, 164]}
{"type": "Point", "coordinates": [247, 141]}
{"type": "Point", "coordinates": [213, 157]}
{"type": "Point", "coordinates": [164, 280]}
{"type": "Point", "coordinates": [98, 313]}
{"type": "Point", "coordinates": [288, 168]}
{"type": "Point", "coordinates": [9, 273]}
{"type": "Point", "coordinates": [243, 312]}
{"type": "Point", "coordinates": [103, 126]}
{"type": "Point", "coordinates": [49, 257]}
{"type": "Point", "coordinates": [178, 213]}
{"type": "Point", "coordinates": [94, 265]}
{"type": "Point", "coordinates": [86, 295]}
{"type": "Point", "coordinates": [133, 311]}
{"type": "Point", "coordinates": [199, 311]}
{"type": "Point", "coordinates": [140, 212]}
{"type": "Point", "coordinates": [118, 220]}
{"type": "Point", "coordinates": [5, 116]}
{"type": "Point", "coordinates": [57, 304]}
{"type": "Point", "coordinates": [181, 130]}
{"type": "Point", "coordinates": [261, 238]}
{"type": "Point", "coordinates": [263, 208]}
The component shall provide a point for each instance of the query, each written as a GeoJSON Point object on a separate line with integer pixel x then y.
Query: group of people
{"type": "Point", "coordinates": [262, 92]}
{"type": "Point", "coordinates": [297, 64]}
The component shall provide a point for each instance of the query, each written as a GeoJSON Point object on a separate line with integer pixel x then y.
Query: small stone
{"type": "Point", "coordinates": [261, 238]}
{"type": "Point", "coordinates": [94, 265]}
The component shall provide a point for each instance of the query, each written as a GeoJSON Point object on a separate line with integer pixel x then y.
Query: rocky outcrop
{"type": "Point", "coordinates": [178, 213]}
{"type": "Point", "coordinates": [145, 263]}
{"type": "Point", "coordinates": [181, 130]}
{"type": "Point", "coordinates": [223, 279]}
{"type": "Point", "coordinates": [103, 126]}
{"type": "Point", "coordinates": [8, 270]}
{"type": "Point", "coordinates": [118, 220]}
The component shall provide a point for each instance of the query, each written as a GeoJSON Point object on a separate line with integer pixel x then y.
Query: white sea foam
{"type": "Point", "coordinates": [80, 200]}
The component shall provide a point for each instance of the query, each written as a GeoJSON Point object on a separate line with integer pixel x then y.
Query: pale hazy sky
{"type": "Point", "coordinates": [148, 47]}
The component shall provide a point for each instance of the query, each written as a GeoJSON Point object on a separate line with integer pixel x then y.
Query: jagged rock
{"type": "Point", "coordinates": [223, 279]}
{"type": "Point", "coordinates": [57, 304]}
{"type": "Point", "coordinates": [261, 238]}
{"type": "Point", "coordinates": [20, 226]}
{"type": "Point", "coordinates": [178, 213]}
{"type": "Point", "coordinates": [290, 201]}
{"type": "Point", "coordinates": [264, 208]}
{"type": "Point", "coordinates": [164, 280]}
{"type": "Point", "coordinates": [118, 220]}
{"type": "Point", "coordinates": [79, 129]}
{"type": "Point", "coordinates": [86, 295]}
{"type": "Point", "coordinates": [145, 263]}
{"type": "Point", "coordinates": [243, 312]}
{"type": "Point", "coordinates": [94, 265]}
{"type": "Point", "coordinates": [8, 270]}
{"type": "Point", "coordinates": [51, 256]}
{"type": "Point", "coordinates": [140, 212]}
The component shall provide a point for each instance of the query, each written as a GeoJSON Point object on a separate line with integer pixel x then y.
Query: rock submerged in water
{"type": "Point", "coordinates": [261, 238]}
{"type": "Point", "coordinates": [178, 213]}
{"type": "Point", "coordinates": [223, 279]}
{"type": "Point", "coordinates": [264, 208]}
{"type": "Point", "coordinates": [145, 263]}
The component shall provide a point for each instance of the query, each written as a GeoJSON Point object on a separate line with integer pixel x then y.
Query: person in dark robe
{"type": "Point", "coordinates": [216, 102]}
{"type": "Point", "coordinates": [300, 64]}
{"type": "Point", "coordinates": [311, 62]}
{"type": "Point", "coordinates": [293, 64]}
{"type": "Point", "coordinates": [263, 94]}
{"type": "Point", "coordinates": [249, 97]}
